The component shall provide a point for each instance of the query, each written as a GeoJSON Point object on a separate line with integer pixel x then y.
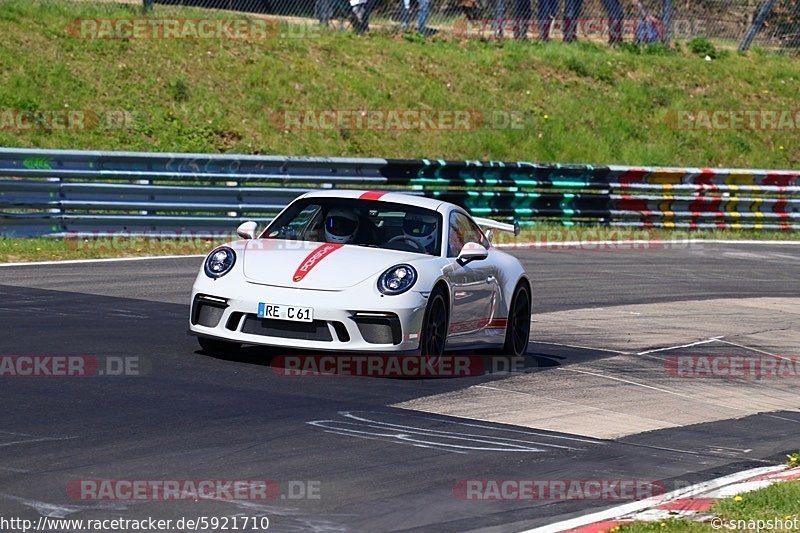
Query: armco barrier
{"type": "Point", "coordinates": [52, 192]}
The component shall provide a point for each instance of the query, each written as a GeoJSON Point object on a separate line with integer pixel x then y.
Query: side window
{"type": "Point", "coordinates": [302, 225]}
{"type": "Point", "coordinates": [308, 223]}
{"type": "Point", "coordinates": [480, 236]}
{"type": "Point", "coordinates": [462, 231]}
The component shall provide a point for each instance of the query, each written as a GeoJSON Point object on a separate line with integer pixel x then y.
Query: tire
{"type": "Point", "coordinates": [217, 347]}
{"type": "Point", "coordinates": [433, 339]}
{"type": "Point", "coordinates": [518, 327]}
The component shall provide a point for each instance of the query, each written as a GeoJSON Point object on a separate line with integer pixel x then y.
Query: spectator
{"type": "Point", "coordinates": [323, 11]}
{"type": "Point", "coordinates": [470, 8]}
{"type": "Point", "coordinates": [548, 9]}
{"type": "Point", "coordinates": [499, 20]}
{"type": "Point", "coordinates": [359, 15]}
{"type": "Point", "coordinates": [647, 27]}
{"type": "Point", "coordinates": [616, 20]}
{"type": "Point", "coordinates": [522, 18]}
{"type": "Point", "coordinates": [422, 15]}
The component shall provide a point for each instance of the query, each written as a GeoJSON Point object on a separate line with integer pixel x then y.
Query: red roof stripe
{"type": "Point", "coordinates": [372, 195]}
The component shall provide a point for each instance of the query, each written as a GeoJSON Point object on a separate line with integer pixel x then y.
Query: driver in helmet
{"type": "Point", "coordinates": [341, 225]}
{"type": "Point", "coordinates": [421, 229]}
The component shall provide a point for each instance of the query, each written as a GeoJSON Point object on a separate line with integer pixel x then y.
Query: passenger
{"type": "Point", "coordinates": [421, 229]}
{"type": "Point", "coordinates": [341, 225]}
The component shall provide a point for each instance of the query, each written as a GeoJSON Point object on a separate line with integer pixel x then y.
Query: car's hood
{"type": "Point", "coordinates": [312, 265]}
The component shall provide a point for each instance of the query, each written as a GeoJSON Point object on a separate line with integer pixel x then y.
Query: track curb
{"type": "Point", "coordinates": [691, 503]}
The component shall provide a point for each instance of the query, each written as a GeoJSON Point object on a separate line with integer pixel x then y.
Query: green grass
{"type": "Point", "coordinates": [50, 249]}
{"type": "Point", "coordinates": [582, 103]}
{"type": "Point", "coordinates": [779, 501]}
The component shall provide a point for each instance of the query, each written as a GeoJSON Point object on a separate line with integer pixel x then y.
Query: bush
{"type": "Point", "coordinates": [702, 47]}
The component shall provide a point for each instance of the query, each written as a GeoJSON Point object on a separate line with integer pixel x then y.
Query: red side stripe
{"type": "Point", "coordinates": [459, 327]}
{"type": "Point", "coordinates": [372, 195]}
{"type": "Point", "coordinates": [313, 259]}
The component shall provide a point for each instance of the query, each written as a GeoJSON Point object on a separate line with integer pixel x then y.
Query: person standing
{"type": "Point", "coordinates": [323, 11]}
{"type": "Point", "coordinates": [548, 10]}
{"type": "Point", "coordinates": [423, 7]}
{"type": "Point", "coordinates": [359, 15]}
{"type": "Point", "coordinates": [499, 20]}
{"type": "Point", "coordinates": [616, 20]}
{"type": "Point", "coordinates": [547, 13]}
{"type": "Point", "coordinates": [522, 18]}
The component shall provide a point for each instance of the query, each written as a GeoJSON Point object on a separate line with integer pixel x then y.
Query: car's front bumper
{"type": "Point", "coordinates": [355, 320]}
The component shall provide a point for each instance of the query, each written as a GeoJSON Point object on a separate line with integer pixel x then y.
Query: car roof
{"type": "Point", "coordinates": [379, 196]}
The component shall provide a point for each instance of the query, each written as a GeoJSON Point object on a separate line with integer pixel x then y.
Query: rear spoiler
{"type": "Point", "coordinates": [487, 223]}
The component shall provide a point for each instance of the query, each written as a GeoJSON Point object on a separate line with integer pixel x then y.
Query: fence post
{"type": "Point", "coordinates": [667, 11]}
{"type": "Point", "coordinates": [148, 5]}
{"type": "Point", "coordinates": [761, 17]}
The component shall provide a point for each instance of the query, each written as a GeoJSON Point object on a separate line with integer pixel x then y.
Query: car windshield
{"type": "Point", "coordinates": [360, 222]}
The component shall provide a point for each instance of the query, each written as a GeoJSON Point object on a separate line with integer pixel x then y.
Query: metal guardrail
{"type": "Point", "coordinates": [53, 192]}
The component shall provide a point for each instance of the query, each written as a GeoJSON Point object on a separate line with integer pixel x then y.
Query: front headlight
{"type": "Point", "coordinates": [220, 262]}
{"type": "Point", "coordinates": [397, 280]}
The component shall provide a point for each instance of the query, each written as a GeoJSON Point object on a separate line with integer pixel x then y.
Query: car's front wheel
{"type": "Point", "coordinates": [518, 328]}
{"type": "Point", "coordinates": [217, 347]}
{"type": "Point", "coordinates": [434, 325]}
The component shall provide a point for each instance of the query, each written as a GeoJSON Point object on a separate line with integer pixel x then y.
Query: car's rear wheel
{"type": "Point", "coordinates": [518, 327]}
{"type": "Point", "coordinates": [434, 326]}
{"type": "Point", "coordinates": [217, 347]}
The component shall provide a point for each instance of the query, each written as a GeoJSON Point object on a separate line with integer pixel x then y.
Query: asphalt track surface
{"type": "Point", "coordinates": [190, 416]}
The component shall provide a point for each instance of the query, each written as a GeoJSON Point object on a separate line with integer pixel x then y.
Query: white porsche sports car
{"type": "Point", "coordinates": [364, 272]}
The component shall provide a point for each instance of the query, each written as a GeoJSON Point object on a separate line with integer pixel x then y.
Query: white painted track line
{"type": "Point", "coordinates": [105, 260]}
{"type": "Point", "coordinates": [579, 243]}
{"type": "Point", "coordinates": [512, 246]}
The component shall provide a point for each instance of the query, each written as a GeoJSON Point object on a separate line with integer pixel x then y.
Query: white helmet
{"type": "Point", "coordinates": [341, 225]}
{"type": "Point", "coordinates": [420, 228]}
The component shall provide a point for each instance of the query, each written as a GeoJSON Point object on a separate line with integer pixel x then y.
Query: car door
{"type": "Point", "coordinates": [474, 287]}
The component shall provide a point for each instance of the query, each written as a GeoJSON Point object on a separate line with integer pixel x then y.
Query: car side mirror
{"type": "Point", "coordinates": [247, 230]}
{"type": "Point", "coordinates": [472, 251]}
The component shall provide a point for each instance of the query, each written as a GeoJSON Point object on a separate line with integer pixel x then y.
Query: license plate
{"type": "Point", "coordinates": [285, 312]}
